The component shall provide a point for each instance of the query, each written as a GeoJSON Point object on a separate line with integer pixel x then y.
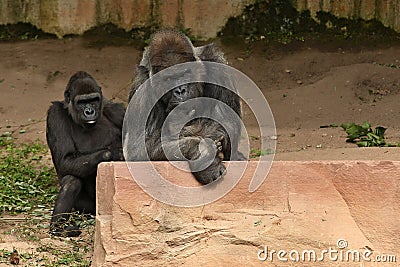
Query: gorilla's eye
{"type": "Point", "coordinates": [88, 101]}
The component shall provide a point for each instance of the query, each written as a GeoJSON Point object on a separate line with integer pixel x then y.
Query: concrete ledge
{"type": "Point", "coordinates": [300, 206]}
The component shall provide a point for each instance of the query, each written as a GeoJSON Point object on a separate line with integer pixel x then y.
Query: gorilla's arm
{"type": "Point", "coordinates": [142, 74]}
{"type": "Point", "coordinates": [115, 113]}
{"type": "Point", "coordinates": [188, 147]}
{"type": "Point", "coordinates": [66, 157]}
{"type": "Point", "coordinates": [213, 54]}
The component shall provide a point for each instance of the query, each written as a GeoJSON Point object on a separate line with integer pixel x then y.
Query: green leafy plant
{"type": "Point", "coordinates": [364, 136]}
{"type": "Point", "coordinates": [26, 183]}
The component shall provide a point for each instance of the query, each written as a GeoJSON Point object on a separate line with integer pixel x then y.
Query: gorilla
{"type": "Point", "coordinates": [82, 131]}
{"type": "Point", "coordinates": [167, 48]}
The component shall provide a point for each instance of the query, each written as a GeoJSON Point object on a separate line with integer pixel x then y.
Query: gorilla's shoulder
{"type": "Point", "coordinates": [57, 120]}
{"type": "Point", "coordinates": [57, 108]}
{"type": "Point", "coordinates": [110, 106]}
{"type": "Point", "coordinates": [211, 53]}
{"type": "Point", "coordinates": [114, 112]}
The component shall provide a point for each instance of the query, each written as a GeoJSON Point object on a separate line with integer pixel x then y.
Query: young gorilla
{"type": "Point", "coordinates": [168, 48]}
{"type": "Point", "coordinates": [82, 131]}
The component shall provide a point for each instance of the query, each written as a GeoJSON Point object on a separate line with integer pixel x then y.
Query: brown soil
{"type": "Point", "coordinates": [306, 87]}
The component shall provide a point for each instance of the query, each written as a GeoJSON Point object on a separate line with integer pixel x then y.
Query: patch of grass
{"type": "Point", "coordinates": [26, 183]}
{"type": "Point", "coordinates": [75, 254]}
{"type": "Point", "coordinates": [254, 153]}
{"type": "Point", "coordinates": [28, 187]}
{"type": "Point", "coordinates": [254, 137]}
{"type": "Point", "coordinates": [53, 75]}
{"type": "Point", "coordinates": [49, 252]}
{"type": "Point", "coordinates": [391, 65]}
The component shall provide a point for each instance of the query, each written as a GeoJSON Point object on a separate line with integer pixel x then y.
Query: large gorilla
{"type": "Point", "coordinates": [167, 48]}
{"type": "Point", "coordinates": [82, 131]}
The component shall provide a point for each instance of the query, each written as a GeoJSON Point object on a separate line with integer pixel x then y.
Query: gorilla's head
{"type": "Point", "coordinates": [84, 99]}
{"type": "Point", "coordinates": [168, 48]}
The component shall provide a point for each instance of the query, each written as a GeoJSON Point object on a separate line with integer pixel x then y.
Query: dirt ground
{"type": "Point", "coordinates": [306, 87]}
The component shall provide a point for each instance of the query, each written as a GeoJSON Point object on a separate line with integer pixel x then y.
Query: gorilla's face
{"type": "Point", "coordinates": [85, 102]}
{"type": "Point", "coordinates": [88, 108]}
{"type": "Point", "coordinates": [184, 75]}
{"type": "Point", "coordinates": [181, 94]}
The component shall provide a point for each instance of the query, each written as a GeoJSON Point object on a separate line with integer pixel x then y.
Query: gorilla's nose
{"type": "Point", "coordinates": [89, 112]}
{"type": "Point", "coordinates": [181, 92]}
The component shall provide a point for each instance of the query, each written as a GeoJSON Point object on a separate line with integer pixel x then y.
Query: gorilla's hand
{"type": "Point", "coordinates": [117, 153]}
{"type": "Point", "coordinates": [216, 169]}
{"type": "Point", "coordinates": [213, 172]}
{"type": "Point", "coordinates": [113, 153]}
{"type": "Point", "coordinates": [107, 155]}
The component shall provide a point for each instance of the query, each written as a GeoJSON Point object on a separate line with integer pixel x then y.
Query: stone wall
{"type": "Point", "coordinates": [205, 18]}
{"type": "Point", "coordinates": [60, 17]}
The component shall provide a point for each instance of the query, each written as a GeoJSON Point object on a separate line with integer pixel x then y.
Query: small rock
{"type": "Point", "coordinates": [299, 82]}
{"type": "Point", "coordinates": [5, 134]}
{"type": "Point", "coordinates": [14, 258]}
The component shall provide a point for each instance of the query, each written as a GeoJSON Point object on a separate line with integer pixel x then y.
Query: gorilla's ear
{"type": "Point", "coordinates": [67, 96]}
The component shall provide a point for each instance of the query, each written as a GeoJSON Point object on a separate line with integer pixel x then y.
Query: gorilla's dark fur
{"type": "Point", "coordinates": [168, 48]}
{"type": "Point", "coordinates": [82, 131]}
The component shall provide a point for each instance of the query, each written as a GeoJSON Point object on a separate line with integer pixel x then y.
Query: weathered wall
{"type": "Point", "coordinates": [205, 18]}
{"type": "Point", "coordinates": [62, 17]}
